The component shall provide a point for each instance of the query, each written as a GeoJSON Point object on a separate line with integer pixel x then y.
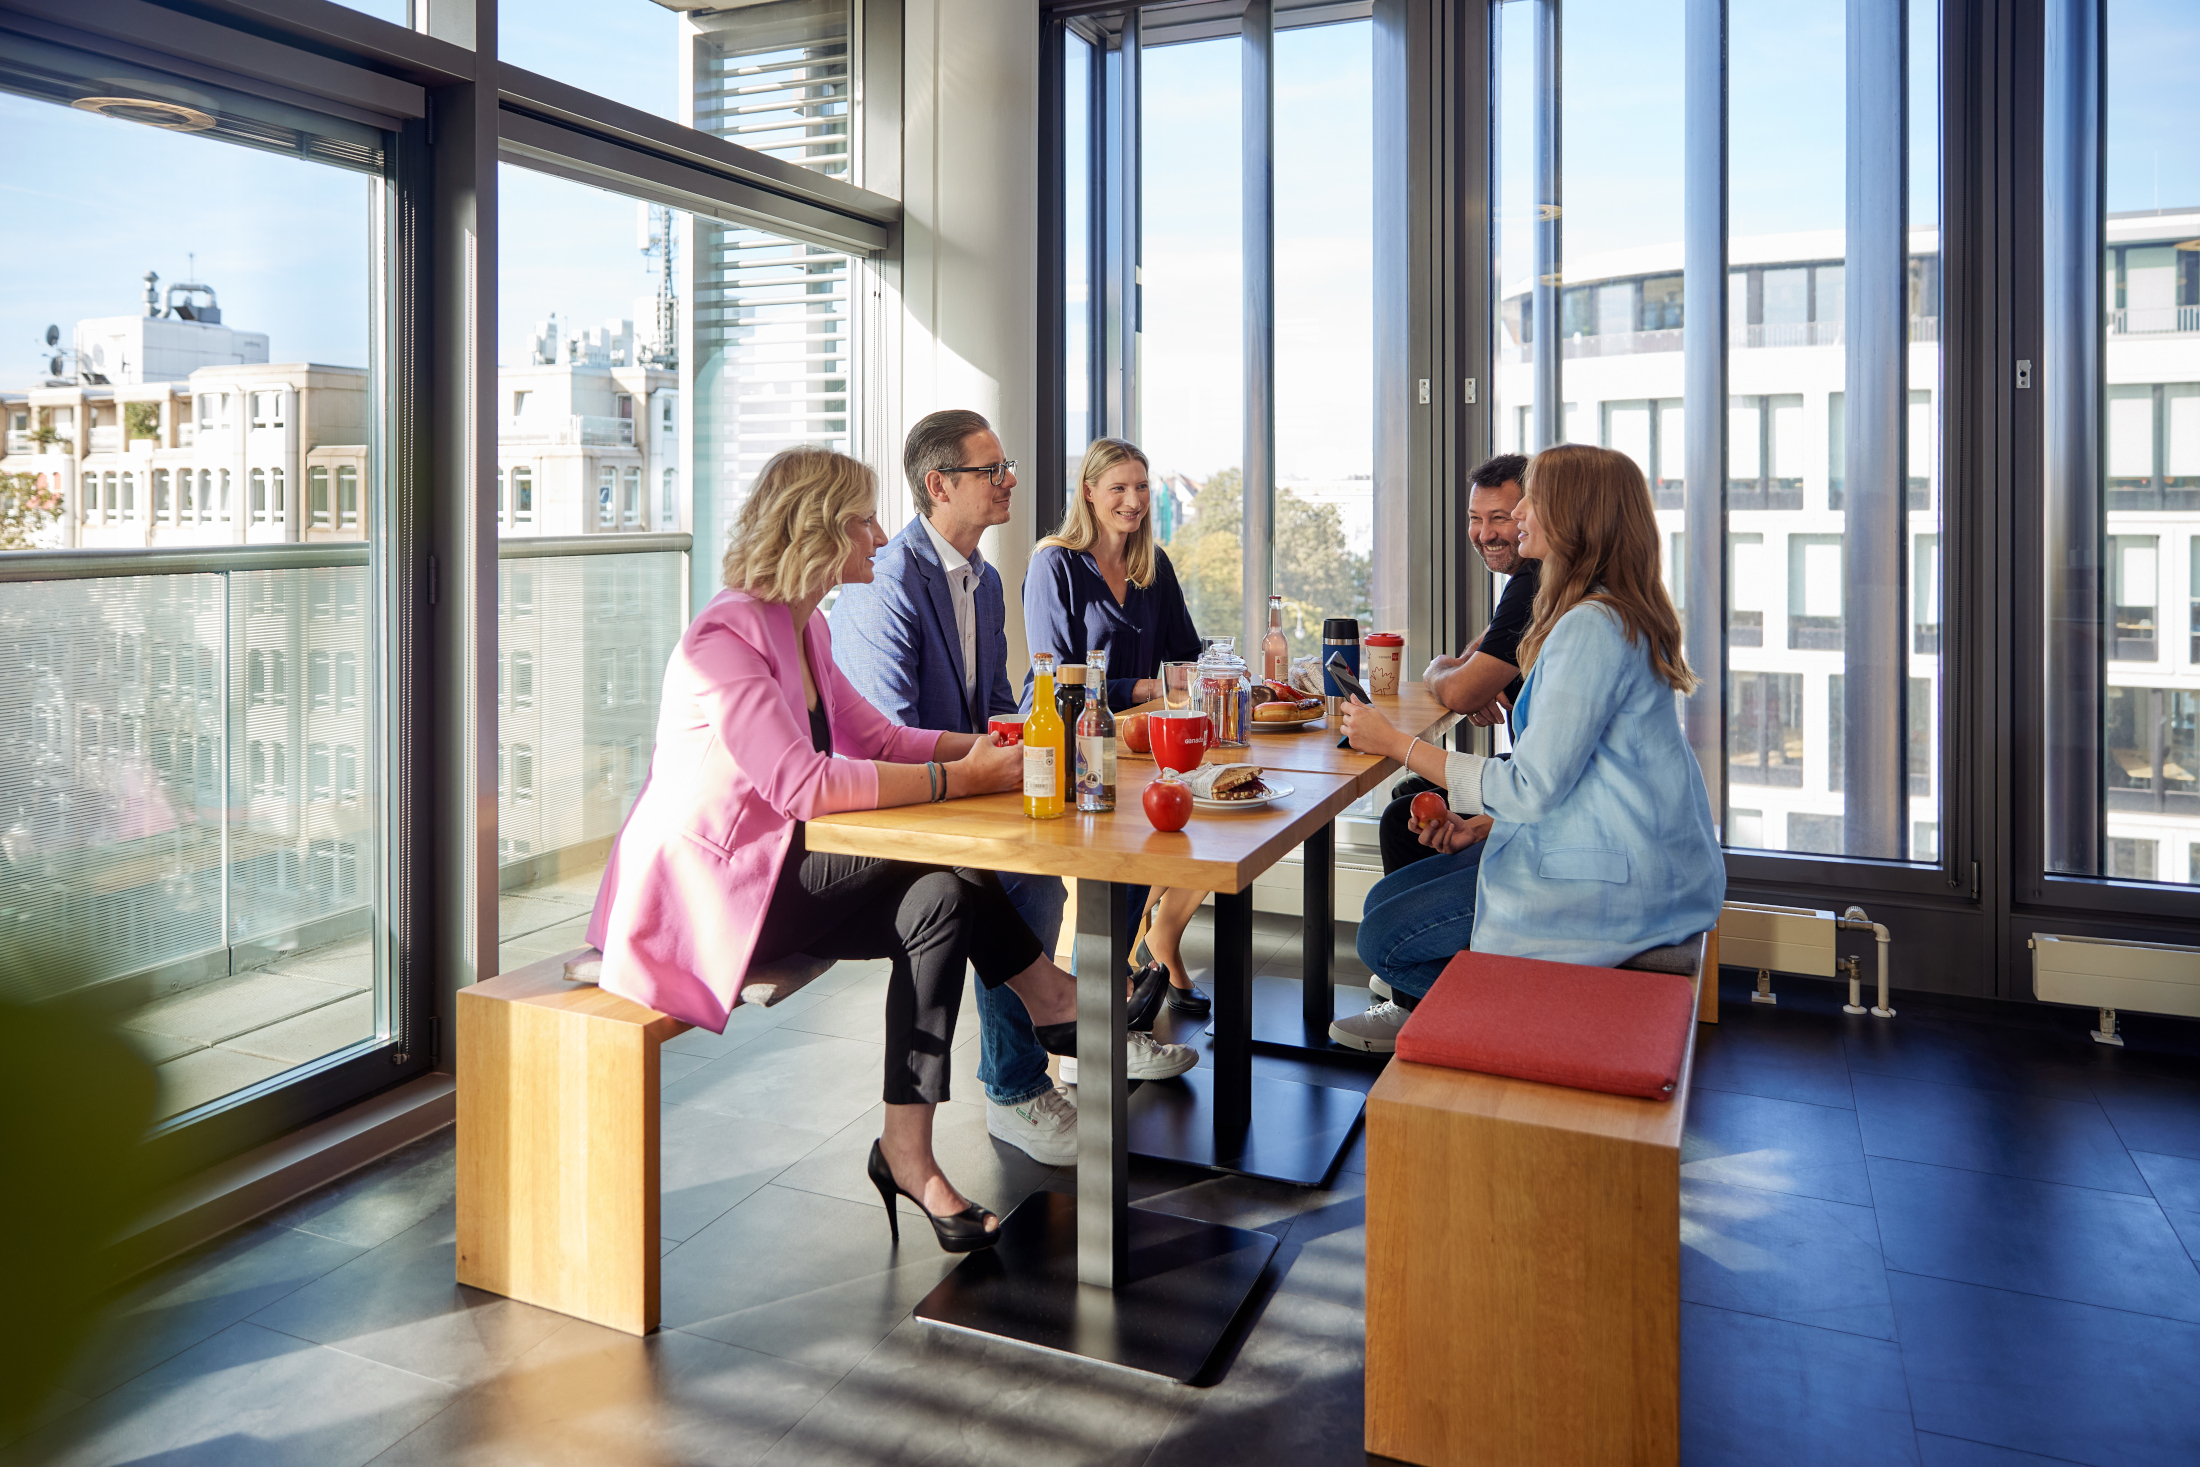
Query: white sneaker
{"type": "Point", "coordinates": [1043, 1127]}
{"type": "Point", "coordinates": [1375, 1031]}
{"type": "Point", "coordinates": [1147, 1058]}
{"type": "Point", "coordinates": [1144, 1058]}
{"type": "Point", "coordinates": [1378, 987]}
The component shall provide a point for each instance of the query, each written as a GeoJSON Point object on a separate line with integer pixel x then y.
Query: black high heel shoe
{"type": "Point", "coordinates": [1149, 983]}
{"type": "Point", "coordinates": [1190, 1001]}
{"type": "Point", "coordinates": [960, 1232]}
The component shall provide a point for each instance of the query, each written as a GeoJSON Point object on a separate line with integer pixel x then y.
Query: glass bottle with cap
{"type": "Point", "coordinates": [1095, 735]}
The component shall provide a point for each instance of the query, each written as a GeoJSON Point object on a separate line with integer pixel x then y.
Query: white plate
{"type": "Point", "coordinates": [1277, 789]}
{"type": "Point", "coordinates": [1312, 720]}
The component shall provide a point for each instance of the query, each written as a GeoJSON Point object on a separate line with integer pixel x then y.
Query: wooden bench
{"type": "Point", "coordinates": [1523, 1264]}
{"type": "Point", "coordinates": [557, 1137]}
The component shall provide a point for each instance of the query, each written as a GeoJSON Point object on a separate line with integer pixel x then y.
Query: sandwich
{"type": "Point", "coordinates": [1227, 782]}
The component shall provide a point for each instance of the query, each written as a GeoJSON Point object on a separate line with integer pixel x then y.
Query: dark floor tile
{"type": "Point", "coordinates": [1324, 1255]}
{"type": "Point", "coordinates": [2152, 1112]}
{"type": "Point", "coordinates": [248, 1397]}
{"type": "Point", "coordinates": [801, 1276]}
{"type": "Point", "coordinates": [942, 1396]}
{"type": "Point", "coordinates": [1293, 1393]}
{"type": "Point", "coordinates": [2049, 1376]}
{"type": "Point", "coordinates": [2074, 1243]}
{"type": "Point", "coordinates": [197, 1296]}
{"type": "Point", "coordinates": [587, 1396]}
{"type": "Point", "coordinates": [2011, 1133]}
{"type": "Point", "coordinates": [58, 1403]}
{"type": "Point", "coordinates": [989, 1172]}
{"type": "Point", "coordinates": [382, 1199]}
{"type": "Point", "coordinates": [1781, 1056]}
{"type": "Point", "coordinates": [1239, 1202]}
{"type": "Point", "coordinates": [709, 1162]}
{"type": "Point", "coordinates": [1756, 1390]}
{"type": "Point", "coordinates": [2174, 1180]}
{"type": "Point", "coordinates": [2187, 1225]}
{"type": "Point", "coordinates": [1954, 1451]}
{"type": "Point", "coordinates": [1776, 1145]}
{"type": "Point", "coordinates": [1981, 1056]}
{"type": "Point", "coordinates": [1802, 1259]}
{"type": "Point", "coordinates": [810, 1082]}
{"type": "Point", "coordinates": [401, 1304]}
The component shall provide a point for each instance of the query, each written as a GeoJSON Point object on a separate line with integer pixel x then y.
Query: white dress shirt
{"type": "Point", "coordinates": [962, 583]}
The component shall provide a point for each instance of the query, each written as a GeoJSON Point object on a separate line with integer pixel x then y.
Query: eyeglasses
{"type": "Point", "coordinates": [995, 472]}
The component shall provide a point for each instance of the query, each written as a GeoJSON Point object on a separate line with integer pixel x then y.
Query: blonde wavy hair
{"type": "Point", "coordinates": [1602, 534]}
{"type": "Point", "coordinates": [1081, 528]}
{"type": "Point", "coordinates": [792, 534]}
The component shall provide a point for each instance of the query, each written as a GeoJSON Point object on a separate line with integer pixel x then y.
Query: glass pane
{"type": "Point", "coordinates": [1512, 407]}
{"type": "Point", "coordinates": [2151, 426]}
{"type": "Point", "coordinates": [1788, 489]}
{"type": "Point", "coordinates": [1191, 353]}
{"type": "Point", "coordinates": [592, 441]}
{"type": "Point", "coordinates": [628, 50]}
{"type": "Point", "coordinates": [1325, 329]}
{"type": "Point", "coordinates": [190, 762]}
{"type": "Point", "coordinates": [582, 643]}
{"type": "Point", "coordinates": [1077, 262]}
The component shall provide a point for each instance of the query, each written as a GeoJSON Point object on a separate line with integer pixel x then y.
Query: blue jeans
{"type": "Point", "coordinates": [1011, 1065]}
{"type": "Point", "coordinates": [1418, 918]}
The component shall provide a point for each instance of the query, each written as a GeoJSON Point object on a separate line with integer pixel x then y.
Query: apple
{"type": "Point", "coordinates": [1428, 808]}
{"type": "Point", "coordinates": [1131, 729]}
{"type": "Point", "coordinates": [1168, 802]}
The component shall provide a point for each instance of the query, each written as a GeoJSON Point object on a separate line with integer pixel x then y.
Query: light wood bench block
{"type": "Point", "coordinates": [558, 1185]}
{"type": "Point", "coordinates": [1523, 1269]}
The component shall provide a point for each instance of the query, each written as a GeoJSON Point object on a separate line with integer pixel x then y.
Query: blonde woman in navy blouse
{"type": "Point", "coordinates": [1100, 583]}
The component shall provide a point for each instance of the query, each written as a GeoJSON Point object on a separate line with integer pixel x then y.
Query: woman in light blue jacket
{"type": "Point", "coordinates": [1593, 842]}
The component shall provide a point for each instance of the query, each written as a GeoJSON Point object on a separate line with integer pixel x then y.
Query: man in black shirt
{"type": "Point", "coordinates": [1482, 681]}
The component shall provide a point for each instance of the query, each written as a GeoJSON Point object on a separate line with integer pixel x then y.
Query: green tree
{"type": "Point", "coordinates": [141, 420]}
{"type": "Point", "coordinates": [27, 509]}
{"type": "Point", "coordinates": [1317, 572]}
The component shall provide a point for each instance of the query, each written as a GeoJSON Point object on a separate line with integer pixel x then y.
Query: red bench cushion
{"type": "Point", "coordinates": [1589, 1028]}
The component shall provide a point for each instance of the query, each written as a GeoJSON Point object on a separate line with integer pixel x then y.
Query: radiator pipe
{"type": "Point", "coordinates": [1856, 919]}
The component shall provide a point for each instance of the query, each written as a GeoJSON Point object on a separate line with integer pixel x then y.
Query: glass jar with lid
{"type": "Point", "coordinates": [1226, 693]}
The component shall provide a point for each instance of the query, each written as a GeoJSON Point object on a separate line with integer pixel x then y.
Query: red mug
{"type": "Point", "coordinates": [1008, 728]}
{"type": "Point", "coordinates": [1180, 738]}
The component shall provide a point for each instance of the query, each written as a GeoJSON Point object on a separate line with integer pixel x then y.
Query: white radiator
{"type": "Point", "coordinates": [2150, 977]}
{"type": "Point", "coordinates": [1776, 939]}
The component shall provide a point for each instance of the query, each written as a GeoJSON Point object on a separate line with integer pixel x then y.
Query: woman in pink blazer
{"type": "Point", "coordinates": [712, 873]}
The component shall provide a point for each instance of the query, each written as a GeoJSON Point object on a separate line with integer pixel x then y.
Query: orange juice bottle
{"type": "Point", "coordinates": [1046, 746]}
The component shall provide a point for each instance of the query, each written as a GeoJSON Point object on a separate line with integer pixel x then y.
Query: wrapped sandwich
{"type": "Point", "coordinates": [1227, 782]}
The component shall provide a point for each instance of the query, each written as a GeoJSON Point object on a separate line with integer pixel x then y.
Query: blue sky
{"type": "Point", "coordinates": [87, 205]}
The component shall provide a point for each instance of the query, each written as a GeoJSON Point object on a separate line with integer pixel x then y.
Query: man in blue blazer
{"type": "Point", "coordinates": [926, 643]}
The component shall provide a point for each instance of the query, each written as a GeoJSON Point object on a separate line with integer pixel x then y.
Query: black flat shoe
{"type": "Point", "coordinates": [1146, 991]}
{"type": "Point", "coordinates": [1060, 1039]}
{"type": "Point", "coordinates": [961, 1232]}
{"type": "Point", "coordinates": [1190, 1001]}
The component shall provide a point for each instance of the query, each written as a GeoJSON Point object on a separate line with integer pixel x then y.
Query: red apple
{"type": "Point", "coordinates": [1131, 729]}
{"type": "Point", "coordinates": [1168, 802]}
{"type": "Point", "coordinates": [1428, 808]}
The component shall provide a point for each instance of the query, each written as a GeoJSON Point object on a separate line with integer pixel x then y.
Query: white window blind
{"type": "Point", "coordinates": [772, 316]}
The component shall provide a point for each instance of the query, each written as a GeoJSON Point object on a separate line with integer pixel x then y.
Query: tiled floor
{"type": "Point", "coordinates": [1931, 1240]}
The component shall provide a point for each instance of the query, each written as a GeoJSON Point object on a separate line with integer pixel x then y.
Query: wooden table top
{"type": "Point", "coordinates": [1313, 748]}
{"type": "Point", "coordinates": [1216, 851]}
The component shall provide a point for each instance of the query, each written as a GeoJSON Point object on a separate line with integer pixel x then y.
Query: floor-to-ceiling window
{"type": "Point", "coordinates": [1593, 170]}
{"type": "Point", "coordinates": [2124, 782]}
{"type": "Point", "coordinates": [195, 818]}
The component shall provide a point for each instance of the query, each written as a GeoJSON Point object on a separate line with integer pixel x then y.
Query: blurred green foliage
{"type": "Point", "coordinates": [77, 1101]}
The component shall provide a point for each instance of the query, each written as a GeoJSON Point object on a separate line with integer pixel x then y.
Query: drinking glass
{"type": "Point", "coordinates": [1179, 682]}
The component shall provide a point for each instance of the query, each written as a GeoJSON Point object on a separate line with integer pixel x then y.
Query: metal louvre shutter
{"type": "Point", "coordinates": [773, 318]}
